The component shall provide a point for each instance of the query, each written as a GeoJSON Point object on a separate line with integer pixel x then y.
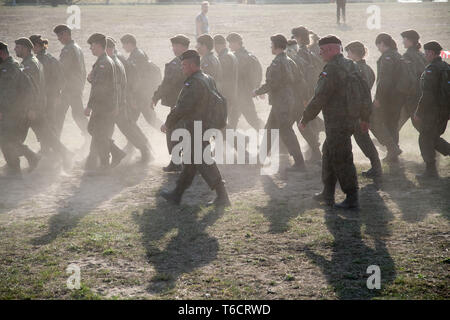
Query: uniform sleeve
{"type": "Point", "coordinates": [385, 81]}
{"type": "Point", "coordinates": [8, 88]}
{"type": "Point", "coordinates": [430, 81]}
{"type": "Point", "coordinates": [186, 104]}
{"type": "Point", "coordinates": [322, 93]}
{"type": "Point", "coordinates": [274, 79]}
{"type": "Point", "coordinates": [167, 83]}
{"type": "Point", "coordinates": [68, 59]}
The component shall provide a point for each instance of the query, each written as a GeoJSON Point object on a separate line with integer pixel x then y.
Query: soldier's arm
{"type": "Point", "coordinates": [273, 79]}
{"type": "Point", "coordinates": [8, 88]}
{"type": "Point", "coordinates": [68, 59]}
{"type": "Point", "coordinates": [385, 81]}
{"type": "Point", "coordinates": [322, 93]}
{"type": "Point", "coordinates": [187, 101]}
{"type": "Point", "coordinates": [171, 78]}
{"type": "Point", "coordinates": [429, 90]}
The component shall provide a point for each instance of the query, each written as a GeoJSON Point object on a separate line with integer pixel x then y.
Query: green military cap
{"type": "Point", "coordinates": [301, 32]}
{"type": "Point", "coordinates": [219, 39]}
{"type": "Point", "coordinates": [206, 40]}
{"type": "Point", "coordinates": [180, 39]}
{"type": "Point", "coordinates": [37, 39]}
{"type": "Point", "coordinates": [433, 46]}
{"type": "Point", "coordinates": [279, 41]}
{"type": "Point", "coordinates": [3, 46]}
{"type": "Point", "coordinates": [410, 34]}
{"type": "Point", "coordinates": [234, 37]}
{"type": "Point", "coordinates": [60, 28]}
{"type": "Point", "coordinates": [128, 38]}
{"type": "Point", "coordinates": [329, 39]}
{"type": "Point", "coordinates": [189, 54]}
{"type": "Point", "coordinates": [24, 42]}
{"type": "Point", "coordinates": [97, 38]}
{"type": "Point", "coordinates": [110, 42]}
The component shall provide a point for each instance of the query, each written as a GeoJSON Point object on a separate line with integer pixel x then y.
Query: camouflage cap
{"type": "Point", "coordinates": [97, 38]}
{"type": "Point", "coordinates": [180, 39]}
{"type": "Point", "coordinates": [234, 37]}
{"type": "Point", "coordinates": [206, 40]}
{"type": "Point", "coordinates": [61, 28]}
{"type": "Point", "coordinates": [329, 39]}
{"type": "Point", "coordinates": [128, 38]}
{"type": "Point", "coordinates": [24, 42]}
{"type": "Point", "coordinates": [219, 39]}
{"type": "Point", "coordinates": [433, 46]}
{"type": "Point", "coordinates": [410, 34]}
{"type": "Point", "coordinates": [279, 41]}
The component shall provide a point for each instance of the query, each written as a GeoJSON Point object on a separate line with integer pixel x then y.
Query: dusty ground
{"type": "Point", "coordinates": [274, 243]}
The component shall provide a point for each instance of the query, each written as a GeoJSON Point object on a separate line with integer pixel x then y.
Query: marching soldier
{"type": "Point", "coordinates": [74, 72]}
{"type": "Point", "coordinates": [209, 63]}
{"type": "Point", "coordinates": [102, 106]}
{"type": "Point", "coordinates": [330, 98]}
{"type": "Point", "coordinates": [128, 127]}
{"type": "Point", "coordinates": [171, 86]}
{"type": "Point", "coordinates": [433, 111]}
{"type": "Point", "coordinates": [244, 104]}
{"type": "Point", "coordinates": [192, 105]}
{"type": "Point", "coordinates": [281, 80]}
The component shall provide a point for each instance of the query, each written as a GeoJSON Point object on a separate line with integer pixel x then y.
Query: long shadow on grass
{"type": "Point", "coordinates": [87, 196]}
{"type": "Point", "coordinates": [175, 238]}
{"type": "Point", "coordinates": [350, 257]}
{"type": "Point", "coordinates": [416, 201]}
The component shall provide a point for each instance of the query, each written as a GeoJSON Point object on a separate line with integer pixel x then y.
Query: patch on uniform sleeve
{"type": "Point", "coordinates": [187, 84]}
{"type": "Point", "coordinates": [388, 58]}
{"type": "Point", "coordinates": [101, 66]}
{"type": "Point", "coordinates": [429, 71]}
{"type": "Point", "coordinates": [205, 65]}
{"type": "Point", "coordinates": [4, 70]}
{"type": "Point", "coordinates": [174, 62]}
{"type": "Point", "coordinates": [323, 74]}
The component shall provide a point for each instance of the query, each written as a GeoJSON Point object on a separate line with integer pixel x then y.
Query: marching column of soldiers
{"type": "Point", "coordinates": [308, 75]}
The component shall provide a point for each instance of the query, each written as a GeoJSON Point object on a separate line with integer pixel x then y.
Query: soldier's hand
{"type": "Point", "coordinates": [89, 77]}
{"type": "Point", "coordinates": [262, 97]}
{"type": "Point", "coordinates": [254, 94]}
{"type": "Point", "coordinates": [301, 126]}
{"type": "Point", "coordinates": [364, 126]}
{"type": "Point", "coordinates": [163, 128]}
{"type": "Point", "coordinates": [376, 104]}
{"type": "Point", "coordinates": [87, 112]}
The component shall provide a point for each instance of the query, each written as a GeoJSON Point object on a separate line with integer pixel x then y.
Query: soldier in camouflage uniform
{"type": "Point", "coordinates": [433, 110]}
{"type": "Point", "coordinates": [330, 98]}
{"type": "Point", "coordinates": [38, 112]}
{"type": "Point", "coordinates": [282, 77]}
{"type": "Point", "coordinates": [209, 63]}
{"type": "Point", "coordinates": [244, 103]}
{"type": "Point", "coordinates": [74, 72]}
{"type": "Point", "coordinates": [142, 83]}
{"type": "Point", "coordinates": [387, 96]}
{"type": "Point", "coordinates": [193, 105]}
{"type": "Point", "coordinates": [171, 86]}
{"type": "Point", "coordinates": [416, 59]}
{"type": "Point", "coordinates": [102, 106]}
{"type": "Point", "coordinates": [356, 52]}
{"type": "Point", "coordinates": [15, 98]}
{"type": "Point", "coordinates": [128, 127]}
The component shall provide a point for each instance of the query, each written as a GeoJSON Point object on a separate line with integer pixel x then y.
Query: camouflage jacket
{"type": "Point", "coordinates": [387, 70]}
{"type": "Point", "coordinates": [366, 72]}
{"type": "Point", "coordinates": [171, 85]}
{"type": "Point", "coordinates": [429, 109]}
{"type": "Point", "coordinates": [418, 61]}
{"type": "Point", "coordinates": [35, 71]}
{"type": "Point", "coordinates": [121, 82]}
{"type": "Point", "coordinates": [330, 95]}
{"type": "Point", "coordinates": [210, 65]}
{"type": "Point", "coordinates": [244, 71]}
{"type": "Point", "coordinates": [103, 97]}
{"type": "Point", "coordinates": [192, 103]}
{"type": "Point", "coordinates": [228, 85]}
{"type": "Point", "coordinates": [281, 77]}
{"type": "Point", "coordinates": [54, 78]}
{"type": "Point", "coordinates": [73, 67]}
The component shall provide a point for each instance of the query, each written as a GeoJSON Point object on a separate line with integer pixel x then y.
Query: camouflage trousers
{"type": "Point", "coordinates": [430, 141]}
{"type": "Point", "coordinates": [337, 161]}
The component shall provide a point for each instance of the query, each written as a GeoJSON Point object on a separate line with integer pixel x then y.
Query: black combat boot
{"type": "Point", "coordinates": [173, 196]}
{"type": "Point", "coordinates": [375, 172]}
{"type": "Point", "coordinates": [351, 201]}
{"type": "Point", "coordinates": [33, 160]}
{"type": "Point", "coordinates": [430, 172]}
{"type": "Point", "coordinates": [222, 199]}
{"type": "Point", "coordinates": [392, 154]}
{"type": "Point", "coordinates": [326, 196]}
{"type": "Point", "coordinates": [297, 168]}
{"type": "Point", "coordinates": [117, 155]}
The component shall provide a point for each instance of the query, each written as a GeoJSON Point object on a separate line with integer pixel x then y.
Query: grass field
{"type": "Point", "coordinates": [274, 243]}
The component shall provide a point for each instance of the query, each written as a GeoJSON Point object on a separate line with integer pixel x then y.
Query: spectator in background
{"type": "Point", "coordinates": [201, 22]}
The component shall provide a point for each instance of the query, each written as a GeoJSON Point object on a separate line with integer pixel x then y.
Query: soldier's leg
{"type": "Point", "coordinates": [76, 104]}
{"type": "Point", "coordinates": [132, 132]}
{"type": "Point", "coordinates": [329, 177]}
{"type": "Point", "coordinates": [248, 109]}
{"type": "Point", "coordinates": [368, 148]}
{"type": "Point", "coordinates": [151, 117]}
{"type": "Point", "coordinates": [234, 114]}
{"type": "Point", "coordinates": [9, 149]}
{"type": "Point", "coordinates": [290, 140]}
{"type": "Point", "coordinates": [442, 146]}
{"type": "Point", "coordinates": [104, 140]}
{"type": "Point", "coordinates": [428, 138]}
{"type": "Point", "coordinates": [60, 114]}
{"type": "Point", "coordinates": [312, 138]}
